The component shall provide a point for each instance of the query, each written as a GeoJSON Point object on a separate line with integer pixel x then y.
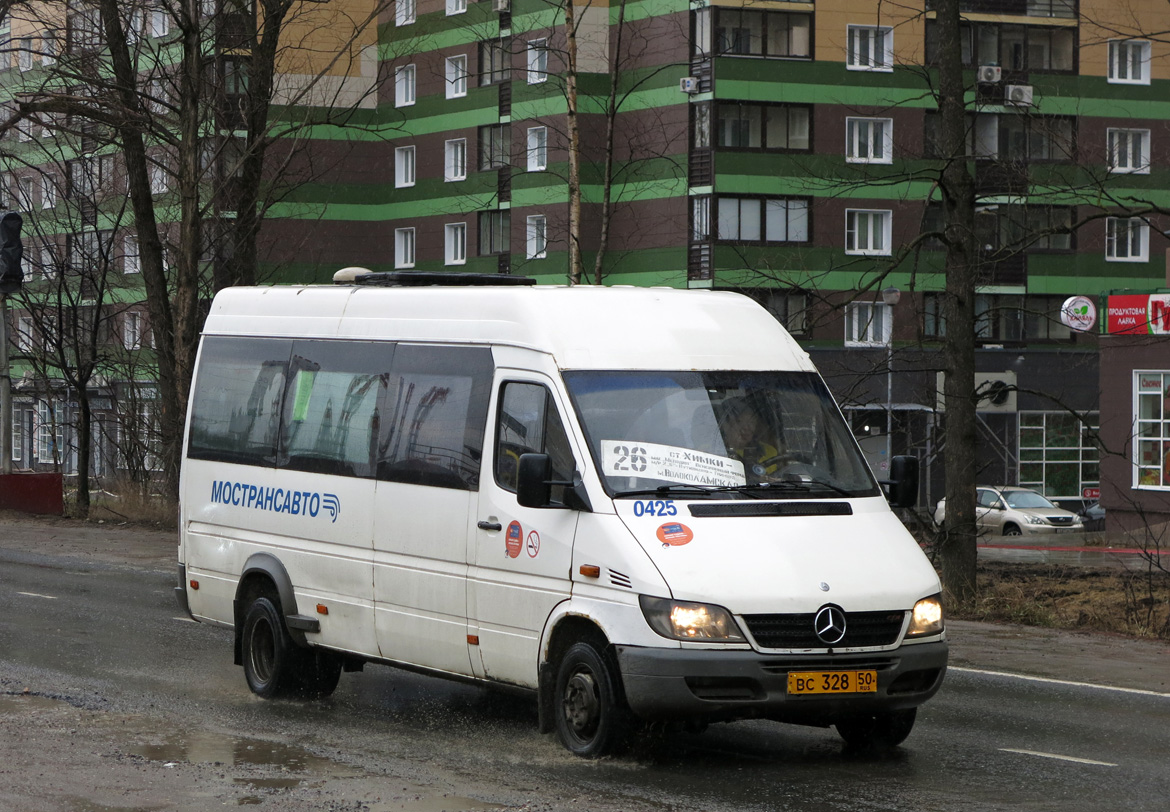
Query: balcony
{"type": "Point", "coordinates": [1063, 9]}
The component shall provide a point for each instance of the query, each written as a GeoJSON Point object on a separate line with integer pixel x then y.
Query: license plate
{"type": "Point", "coordinates": [801, 683]}
{"type": "Point", "coordinates": [1064, 529]}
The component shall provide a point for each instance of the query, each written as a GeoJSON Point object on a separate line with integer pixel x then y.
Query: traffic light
{"type": "Point", "coordinates": [11, 251]}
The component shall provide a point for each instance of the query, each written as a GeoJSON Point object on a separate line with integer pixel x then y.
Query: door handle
{"type": "Point", "coordinates": [489, 526]}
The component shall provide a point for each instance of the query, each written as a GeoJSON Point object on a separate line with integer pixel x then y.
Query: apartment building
{"type": "Point", "coordinates": [785, 149]}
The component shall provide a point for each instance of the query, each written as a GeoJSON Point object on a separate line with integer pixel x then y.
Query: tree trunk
{"type": "Point", "coordinates": [575, 264]}
{"type": "Point", "coordinates": [957, 552]}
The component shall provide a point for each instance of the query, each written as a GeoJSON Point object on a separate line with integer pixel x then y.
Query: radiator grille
{"type": "Point", "coordinates": [796, 631]}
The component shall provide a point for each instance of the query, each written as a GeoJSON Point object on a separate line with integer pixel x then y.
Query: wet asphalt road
{"type": "Point", "coordinates": [105, 639]}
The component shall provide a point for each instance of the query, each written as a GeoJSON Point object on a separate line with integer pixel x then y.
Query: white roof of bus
{"type": "Point", "coordinates": [583, 327]}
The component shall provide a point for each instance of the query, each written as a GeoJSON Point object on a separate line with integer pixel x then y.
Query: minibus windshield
{"type": "Point", "coordinates": [729, 434]}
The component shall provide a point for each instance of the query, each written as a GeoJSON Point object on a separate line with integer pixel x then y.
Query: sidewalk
{"type": "Point", "coordinates": [1048, 653]}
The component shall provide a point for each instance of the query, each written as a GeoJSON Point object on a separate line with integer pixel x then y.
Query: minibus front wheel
{"type": "Point", "coordinates": [591, 717]}
{"type": "Point", "coordinates": [274, 665]}
{"type": "Point", "coordinates": [877, 731]}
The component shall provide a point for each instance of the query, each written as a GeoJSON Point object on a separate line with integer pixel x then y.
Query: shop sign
{"type": "Point", "coordinates": [1079, 313]}
{"type": "Point", "coordinates": [1138, 314]}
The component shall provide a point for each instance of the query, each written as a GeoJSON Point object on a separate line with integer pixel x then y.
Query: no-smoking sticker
{"type": "Point", "coordinates": [532, 544]}
{"type": "Point", "coordinates": [514, 539]}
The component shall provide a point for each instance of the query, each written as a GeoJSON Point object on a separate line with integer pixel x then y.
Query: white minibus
{"type": "Point", "coordinates": [641, 505]}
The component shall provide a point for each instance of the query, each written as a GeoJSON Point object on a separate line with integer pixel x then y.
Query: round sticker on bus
{"type": "Point", "coordinates": [674, 534]}
{"type": "Point", "coordinates": [514, 539]}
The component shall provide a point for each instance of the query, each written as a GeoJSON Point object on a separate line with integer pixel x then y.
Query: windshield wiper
{"type": "Point", "coordinates": [806, 484]}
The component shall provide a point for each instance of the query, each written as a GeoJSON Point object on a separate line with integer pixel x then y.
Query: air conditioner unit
{"type": "Point", "coordinates": [501, 5]}
{"type": "Point", "coordinates": [994, 392]}
{"type": "Point", "coordinates": [1019, 95]}
{"type": "Point", "coordinates": [989, 74]}
{"type": "Point", "coordinates": [689, 84]}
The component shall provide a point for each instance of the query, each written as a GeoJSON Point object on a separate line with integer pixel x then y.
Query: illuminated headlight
{"type": "Point", "coordinates": [680, 620]}
{"type": "Point", "coordinates": [1035, 520]}
{"type": "Point", "coordinates": [927, 617]}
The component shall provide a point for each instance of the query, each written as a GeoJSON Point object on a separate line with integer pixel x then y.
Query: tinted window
{"type": "Point", "coordinates": [332, 406]}
{"type": "Point", "coordinates": [235, 411]}
{"type": "Point", "coordinates": [529, 422]}
{"type": "Point", "coordinates": [437, 408]}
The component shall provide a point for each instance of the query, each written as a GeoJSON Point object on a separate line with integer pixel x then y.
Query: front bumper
{"type": "Point", "coordinates": [663, 684]}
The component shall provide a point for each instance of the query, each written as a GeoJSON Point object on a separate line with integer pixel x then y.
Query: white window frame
{"type": "Point", "coordinates": [404, 247]}
{"type": "Point", "coordinates": [455, 244]}
{"type": "Point", "coordinates": [24, 56]}
{"type": "Point", "coordinates": [48, 261]}
{"type": "Point", "coordinates": [1127, 239]}
{"type": "Point", "coordinates": [159, 179]}
{"type": "Point", "coordinates": [877, 223]}
{"type": "Point", "coordinates": [131, 259]}
{"type": "Point", "coordinates": [1128, 151]}
{"type": "Point", "coordinates": [404, 12]}
{"type": "Point", "coordinates": [48, 47]}
{"type": "Point", "coordinates": [456, 73]}
{"type": "Point", "coordinates": [536, 237]}
{"type": "Point", "coordinates": [537, 149]}
{"type": "Point", "coordinates": [869, 140]}
{"type": "Point", "coordinates": [869, 47]}
{"type": "Point", "coordinates": [456, 7]}
{"type": "Point", "coordinates": [132, 331]}
{"type": "Point", "coordinates": [24, 334]}
{"type": "Point", "coordinates": [160, 23]}
{"type": "Point", "coordinates": [49, 190]}
{"type": "Point", "coordinates": [867, 324]}
{"type": "Point", "coordinates": [455, 160]}
{"type": "Point", "coordinates": [1124, 62]}
{"type": "Point", "coordinates": [404, 85]}
{"type": "Point", "coordinates": [404, 167]}
{"type": "Point", "coordinates": [537, 61]}
{"type": "Point", "coordinates": [26, 190]}
{"type": "Point", "coordinates": [1151, 433]}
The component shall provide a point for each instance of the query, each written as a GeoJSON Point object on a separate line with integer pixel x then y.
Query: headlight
{"type": "Point", "coordinates": [927, 617]}
{"type": "Point", "coordinates": [680, 620]}
{"type": "Point", "coordinates": [1035, 520]}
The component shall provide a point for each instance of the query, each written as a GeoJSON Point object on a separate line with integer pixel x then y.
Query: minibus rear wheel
{"type": "Point", "coordinates": [877, 731]}
{"type": "Point", "coordinates": [270, 656]}
{"type": "Point", "coordinates": [591, 717]}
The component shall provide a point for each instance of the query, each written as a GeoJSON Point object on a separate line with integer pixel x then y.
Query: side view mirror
{"type": "Point", "coordinates": [534, 484]}
{"type": "Point", "coordinates": [903, 482]}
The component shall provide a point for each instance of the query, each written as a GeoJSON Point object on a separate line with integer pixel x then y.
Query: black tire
{"type": "Point", "coordinates": [1012, 530]}
{"type": "Point", "coordinates": [591, 716]}
{"type": "Point", "coordinates": [877, 731]}
{"type": "Point", "coordinates": [318, 673]}
{"type": "Point", "coordinates": [270, 657]}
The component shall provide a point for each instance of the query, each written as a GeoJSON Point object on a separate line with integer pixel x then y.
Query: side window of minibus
{"type": "Point", "coordinates": [433, 428]}
{"type": "Point", "coordinates": [235, 412]}
{"type": "Point", "coordinates": [529, 422]}
{"type": "Point", "coordinates": [332, 403]}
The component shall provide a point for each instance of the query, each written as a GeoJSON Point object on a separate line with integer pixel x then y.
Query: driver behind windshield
{"type": "Point", "coordinates": [746, 435]}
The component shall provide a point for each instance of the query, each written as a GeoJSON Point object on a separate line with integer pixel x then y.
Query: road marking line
{"type": "Point", "coordinates": [1116, 688]}
{"type": "Point", "coordinates": [1073, 759]}
{"type": "Point", "coordinates": [35, 595]}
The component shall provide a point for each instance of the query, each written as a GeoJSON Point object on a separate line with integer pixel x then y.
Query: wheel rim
{"type": "Point", "coordinates": [262, 650]}
{"type": "Point", "coordinates": [581, 704]}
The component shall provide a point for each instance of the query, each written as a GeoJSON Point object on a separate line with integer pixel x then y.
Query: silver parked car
{"type": "Point", "coordinates": [1010, 511]}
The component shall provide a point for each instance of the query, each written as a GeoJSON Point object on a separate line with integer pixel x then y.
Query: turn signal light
{"type": "Point", "coordinates": [590, 570]}
{"type": "Point", "coordinates": [322, 609]}
{"type": "Point", "coordinates": [194, 584]}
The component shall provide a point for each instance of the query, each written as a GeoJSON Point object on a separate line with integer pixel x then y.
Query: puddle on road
{"type": "Point", "coordinates": [201, 747]}
{"type": "Point", "coordinates": [445, 803]}
{"type": "Point", "coordinates": [18, 703]}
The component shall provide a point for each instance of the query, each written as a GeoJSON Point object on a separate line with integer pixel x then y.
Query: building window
{"type": "Point", "coordinates": [869, 140]}
{"type": "Point", "coordinates": [934, 318]}
{"type": "Point", "coordinates": [999, 318]}
{"type": "Point", "coordinates": [494, 232]}
{"type": "Point", "coordinates": [1129, 61]}
{"type": "Point", "coordinates": [756, 219]}
{"type": "Point", "coordinates": [456, 76]}
{"type": "Point", "coordinates": [455, 159]}
{"type": "Point", "coordinates": [789, 307]}
{"type": "Point", "coordinates": [1015, 228]}
{"type": "Point", "coordinates": [26, 191]}
{"type": "Point", "coordinates": [495, 146]}
{"type": "Point", "coordinates": [763, 33]}
{"type": "Point", "coordinates": [49, 47]}
{"type": "Point", "coordinates": [867, 232]}
{"type": "Point", "coordinates": [761, 126]}
{"type": "Point", "coordinates": [870, 48]}
{"type": "Point", "coordinates": [50, 432]}
{"type": "Point", "coordinates": [404, 248]}
{"type": "Point", "coordinates": [131, 262]}
{"type": "Point", "coordinates": [403, 167]}
{"type": "Point", "coordinates": [1015, 137]}
{"type": "Point", "coordinates": [700, 219]}
{"type": "Point", "coordinates": [1011, 47]}
{"type": "Point", "coordinates": [132, 331]}
{"type": "Point", "coordinates": [537, 149]}
{"type": "Point", "coordinates": [456, 7]}
{"type": "Point", "coordinates": [48, 261]}
{"type": "Point", "coordinates": [455, 243]}
{"type": "Point", "coordinates": [1129, 150]}
{"type": "Point", "coordinates": [867, 324]}
{"type": "Point", "coordinates": [1152, 422]}
{"type": "Point", "coordinates": [159, 180]}
{"type": "Point", "coordinates": [404, 86]}
{"type": "Point", "coordinates": [404, 12]}
{"type": "Point", "coordinates": [494, 62]}
{"type": "Point", "coordinates": [1058, 456]}
{"type": "Point", "coordinates": [24, 334]}
{"type": "Point", "coordinates": [1127, 239]}
{"type": "Point", "coordinates": [24, 56]}
{"type": "Point", "coordinates": [160, 23]}
{"type": "Point", "coordinates": [537, 237]}
{"type": "Point", "coordinates": [537, 61]}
